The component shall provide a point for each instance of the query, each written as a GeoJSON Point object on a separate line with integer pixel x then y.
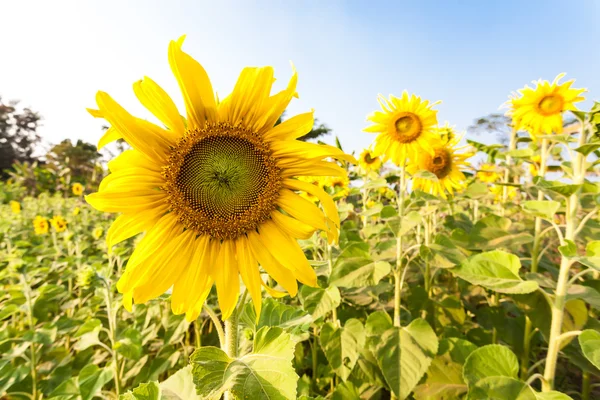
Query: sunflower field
{"type": "Point", "coordinates": [220, 257]}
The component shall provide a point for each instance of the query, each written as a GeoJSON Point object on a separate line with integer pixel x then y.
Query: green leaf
{"type": "Point", "coordinates": [592, 249]}
{"type": "Point", "coordinates": [501, 388]}
{"type": "Point", "coordinates": [443, 253]}
{"type": "Point", "coordinates": [91, 380]}
{"type": "Point", "coordinates": [495, 270]}
{"type": "Point", "coordinates": [589, 340]}
{"type": "Point", "coordinates": [404, 355]}
{"type": "Point", "coordinates": [520, 153]}
{"type": "Point", "coordinates": [388, 212]}
{"type": "Point", "coordinates": [490, 361]}
{"type": "Point", "coordinates": [8, 310]}
{"type": "Point", "coordinates": [409, 222]}
{"type": "Point", "coordinates": [569, 249]}
{"type": "Point", "coordinates": [444, 377]}
{"type": "Point", "coordinates": [561, 188]}
{"type": "Point", "coordinates": [585, 293]}
{"type": "Point", "coordinates": [180, 386]}
{"type": "Point", "coordinates": [275, 313]}
{"type": "Point", "coordinates": [129, 344]}
{"type": "Point", "coordinates": [588, 148]}
{"type": "Point", "coordinates": [265, 374]}
{"type": "Point", "coordinates": [541, 208]}
{"type": "Point", "coordinates": [342, 345]}
{"type": "Point", "coordinates": [318, 302]}
{"type": "Point", "coordinates": [476, 190]}
{"type": "Point", "coordinates": [91, 325]}
{"type": "Point", "coordinates": [345, 391]}
{"type": "Point", "coordinates": [352, 272]}
{"type": "Point", "coordinates": [145, 391]}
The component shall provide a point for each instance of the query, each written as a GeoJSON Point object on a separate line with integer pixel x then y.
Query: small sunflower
{"type": "Point", "coordinates": [58, 223]}
{"type": "Point", "coordinates": [339, 185]}
{"type": "Point", "coordinates": [77, 189]}
{"type": "Point", "coordinates": [488, 173]}
{"type": "Point", "coordinates": [498, 192]}
{"type": "Point", "coordinates": [97, 233]}
{"type": "Point", "coordinates": [76, 211]}
{"type": "Point", "coordinates": [216, 192]}
{"type": "Point", "coordinates": [446, 164]}
{"type": "Point", "coordinates": [368, 162]}
{"type": "Point", "coordinates": [406, 127]}
{"type": "Point", "coordinates": [15, 206]}
{"type": "Point", "coordinates": [40, 225]}
{"type": "Point", "coordinates": [539, 109]}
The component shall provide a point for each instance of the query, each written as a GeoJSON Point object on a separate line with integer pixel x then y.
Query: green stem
{"type": "Point", "coordinates": [586, 386]}
{"type": "Point", "coordinates": [112, 327]}
{"type": "Point", "coordinates": [231, 335]}
{"type": "Point", "coordinates": [217, 324]}
{"type": "Point", "coordinates": [398, 269]}
{"type": "Point", "coordinates": [197, 334]}
{"type": "Point", "coordinates": [512, 146]}
{"type": "Point", "coordinates": [562, 285]}
{"type": "Point", "coordinates": [330, 265]}
{"type": "Point", "coordinates": [526, 348]}
{"type": "Point", "coordinates": [314, 351]}
{"type": "Point", "coordinates": [33, 355]}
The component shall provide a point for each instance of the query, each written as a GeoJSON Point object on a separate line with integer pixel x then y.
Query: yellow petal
{"type": "Point", "coordinates": [158, 102]}
{"type": "Point", "coordinates": [281, 274]}
{"type": "Point", "coordinates": [276, 105]}
{"type": "Point", "coordinates": [148, 138]}
{"type": "Point", "coordinates": [195, 282]}
{"type": "Point", "coordinates": [249, 94]}
{"type": "Point", "coordinates": [128, 225]}
{"type": "Point", "coordinates": [132, 179]}
{"type": "Point", "coordinates": [133, 159]}
{"type": "Point", "coordinates": [126, 202]}
{"type": "Point", "coordinates": [292, 226]}
{"type": "Point", "coordinates": [111, 135]}
{"type": "Point", "coordinates": [303, 150]}
{"type": "Point", "coordinates": [293, 128]}
{"type": "Point", "coordinates": [195, 86]}
{"type": "Point", "coordinates": [226, 276]}
{"type": "Point", "coordinates": [287, 251]}
{"type": "Point", "coordinates": [301, 209]}
{"type": "Point", "coordinates": [310, 168]}
{"type": "Point", "coordinates": [273, 292]}
{"type": "Point", "coordinates": [249, 272]}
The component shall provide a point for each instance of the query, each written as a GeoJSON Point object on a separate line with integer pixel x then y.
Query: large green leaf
{"type": "Point", "coordinates": [180, 386]}
{"type": "Point", "coordinates": [91, 380]}
{"type": "Point", "coordinates": [276, 313]}
{"type": "Point", "coordinates": [542, 208]}
{"type": "Point", "coordinates": [500, 388]}
{"type": "Point", "coordinates": [354, 272]}
{"type": "Point", "coordinates": [145, 391]}
{"type": "Point", "coordinates": [404, 354]}
{"type": "Point", "coordinates": [589, 340]}
{"type": "Point", "coordinates": [561, 188]}
{"type": "Point", "coordinates": [264, 374]}
{"type": "Point", "coordinates": [129, 343]}
{"type": "Point", "coordinates": [342, 345]}
{"type": "Point", "coordinates": [318, 302]}
{"type": "Point", "coordinates": [495, 270]}
{"type": "Point", "coordinates": [445, 377]}
{"type": "Point", "coordinates": [490, 361]}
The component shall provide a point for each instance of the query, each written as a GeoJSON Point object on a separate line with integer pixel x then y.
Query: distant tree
{"type": "Point", "coordinates": [317, 130]}
{"type": "Point", "coordinates": [492, 123]}
{"type": "Point", "coordinates": [80, 159]}
{"type": "Point", "coordinates": [18, 135]}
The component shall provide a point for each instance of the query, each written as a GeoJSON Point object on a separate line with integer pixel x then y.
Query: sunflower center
{"type": "Point", "coordinates": [441, 163]}
{"type": "Point", "coordinates": [222, 181]}
{"type": "Point", "coordinates": [368, 159]}
{"type": "Point", "coordinates": [551, 104]}
{"type": "Point", "coordinates": [408, 127]}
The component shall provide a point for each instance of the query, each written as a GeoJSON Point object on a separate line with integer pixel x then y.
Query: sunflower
{"type": "Point", "coordinates": [77, 189]}
{"type": "Point", "coordinates": [215, 192]}
{"type": "Point", "coordinates": [339, 185]}
{"type": "Point", "coordinates": [368, 162]}
{"type": "Point", "coordinates": [498, 192]}
{"type": "Point", "coordinates": [406, 127]}
{"type": "Point", "coordinates": [97, 233]}
{"type": "Point", "coordinates": [488, 173]}
{"type": "Point", "coordinates": [446, 164]}
{"type": "Point", "coordinates": [15, 206]}
{"type": "Point", "coordinates": [539, 109]}
{"type": "Point", "coordinates": [40, 225]}
{"type": "Point", "coordinates": [76, 211]}
{"type": "Point", "coordinates": [58, 223]}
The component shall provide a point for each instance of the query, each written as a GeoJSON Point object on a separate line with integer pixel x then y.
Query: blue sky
{"type": "Point", "coordinates": [469, 54]}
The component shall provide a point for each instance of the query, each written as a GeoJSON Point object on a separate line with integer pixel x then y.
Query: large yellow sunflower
{"type": "Point", "coordinates": [406, 127]}
{"type": "Point", "coordinates": [446, 164]}
{"type": "Point", "coordinates": [539, 109]}
{"type": "Point", "coordinates": [368, 162]}
{"type": "Point", "coordinates": [215, 192]}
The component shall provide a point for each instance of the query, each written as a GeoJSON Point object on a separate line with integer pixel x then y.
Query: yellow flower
{"type": "Point", "coordinates": [76, 211]}
{"type": "Point", "coordinates": [406, 128]}
{"type": "Point", "coordinates": [339, 184]}
{"type": "Point", "coordinates": [498, 192]}
{"type": "Point", "coordinates": [488, 173]}
{"type": "Point", "coordinates": [40, 225]}
{"type": "Point", "coordinates": [77, 189]}
{"type": "Point", "coordinates": [216, 193]}
{"type": "Point", "coordinates": [58, 223]}
{"type": "Point", "coordinates": [15, 206]}
{"type": "Point", "coordinates": [387, 192]}
{"type": "Point", "coordinates": [539, 109]}
{"type": "Point", "coordinates": [368, 162]}
{"type": "Point", "coordinates": [314, 180]}
{"type": "Point", "coordinates": [370, 203]}
{"type": "Point", "coordinates": [97, 233]}
{"type": "Point", "coordinates": [446, 164]}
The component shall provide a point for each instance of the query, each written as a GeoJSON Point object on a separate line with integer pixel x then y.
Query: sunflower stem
{"type": "Point", "coordinates": [562, 285]}
{"type": "Point", "coordinates": [398, 270]}
{"type": "Point", "coordinates": [512, 146]}
{"type": "Point", "coordinates": [217, 324]}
